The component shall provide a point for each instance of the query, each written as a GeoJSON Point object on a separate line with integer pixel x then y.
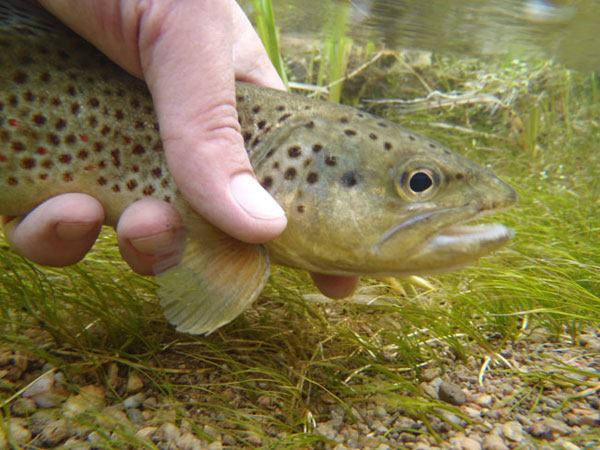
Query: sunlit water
{"type": "Point", "coordinates": [567, 31]}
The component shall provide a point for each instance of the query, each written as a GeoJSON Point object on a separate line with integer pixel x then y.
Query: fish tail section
{"type": "Point", "coordinates": [216, 279]}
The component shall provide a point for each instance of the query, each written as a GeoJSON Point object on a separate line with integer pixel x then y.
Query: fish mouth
{"type": "Point", "coordinates": [481, 235]}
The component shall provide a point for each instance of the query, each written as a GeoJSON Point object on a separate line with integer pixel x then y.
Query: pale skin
{"type": "Point", "coordinates": [189, 52]}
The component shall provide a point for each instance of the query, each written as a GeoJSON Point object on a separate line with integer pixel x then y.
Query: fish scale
{"type": "Point", "coordinates": [362, 194]}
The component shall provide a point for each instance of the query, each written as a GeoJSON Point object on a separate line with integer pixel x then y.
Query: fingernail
{"type": "Point", "coordinates": [253, 198]}
{"type": "Point", "coordinates": [155, 243]}
{"type": "Point", "coordinates": [73, 231]}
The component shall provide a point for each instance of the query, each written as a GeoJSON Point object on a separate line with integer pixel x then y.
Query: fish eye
{"type": "Point", "coordinates": [417, 183]}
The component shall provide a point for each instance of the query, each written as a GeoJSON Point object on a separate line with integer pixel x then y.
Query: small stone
{"type": "Point", "coordinates": [217, 445]}
{"type": "Point", "coordinates": [265, 401]}
{"type": "Point", "coordinates": [466, 443]}
{"type": "Point", "coordinates": [379, 411]}
{"type": "Point", "coordinates": [451, 393]}
{"type": "Point", "coordinates": [187, 441]}
{"type": "Point", "coordinates": [513, 431]}
{"type": "Point", "coordinates": [325, 429]}
{"type": "Point", "coordinates": [38, 421]}
{"type": "Point", "coordinates": [453, 418]}
{"type": "Point", "coordinates": [430, 373]}
{"type": "Point", "coordinates": [569, 445]}
{"type": "Point", "coordinates": [340, 447]}
{"type": "Point", "coordinates": [114, 381]}
{"type": "Point", "coordinates": [168, 432]}
{"type": "Point", "coordinates": [55, 432]}
{"type": "Point", "coordinates": [485, 400]}
{"type": "Point", "coordinates": [17, 431]}
{"type": "Point", "coordinates": [135, 383]}
{"type": "Point", "coordinates": [212, 432]}
{"type": "Point", "coordinates": [471, 412]}
{"type": "Point", "coordinates": [493, 442]}
{"type": "Point", "coordinates": [254, 438]}
{"type": "Point", "coordinates": [539, 430]}
{"type": "Point", "coordinates": [94, 437]}
{"type": "Point", "coordinates": [44, 384]}
{"type": "Point", "coordinates": [91, 398]}
{"type": "Point", "coordinates": [23, 407]}
{"type": "Point", "coordinates": [557, 427]}
{"type": "Point", "coordinates": [136, 416]}
{"type": "Point", "coordinates": [134, 401]}
{"type": "Point", "coordinates": [429, 390]}
{"type": "Point", "coordinates": [111, 416]}
{"type": "Point", "coordinates": [74, 443]}
{"type": "Point", "coordinates": [95, 396]}
{"type": "Point", "coordinates": [383, 447]}
{"type": "Point", "coordinates": [150, 402]}
{"type": "Point", "coordinates": [146, 432]}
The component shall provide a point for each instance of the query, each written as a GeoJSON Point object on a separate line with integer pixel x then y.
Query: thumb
{"type": "Point", "coordinates": [186, 52]}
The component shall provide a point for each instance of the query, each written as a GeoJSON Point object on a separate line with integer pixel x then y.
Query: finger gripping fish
{"type": "Point", "coordinates": [363, 196]}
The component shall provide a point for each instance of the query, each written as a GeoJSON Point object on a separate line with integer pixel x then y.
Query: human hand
{"type": "Point", "coordinates": [190, 53]}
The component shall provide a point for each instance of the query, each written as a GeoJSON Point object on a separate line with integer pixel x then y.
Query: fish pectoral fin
{"type": "Point", "coordinates": [217, 278]}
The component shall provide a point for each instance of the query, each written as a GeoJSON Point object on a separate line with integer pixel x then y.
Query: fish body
{"type": "Point", "coordinates": [362, 194]}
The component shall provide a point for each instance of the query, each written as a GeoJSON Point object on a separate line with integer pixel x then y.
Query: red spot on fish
{"type": "Point", "coordinates": [43, 176]}
{"type": "Point", "coordinates": [127, 139]}
{"type": "Point", "coordinates": [3, 158]}
{"type": "Point", "coordinates": [135, 168]}
{"type": "Point", "coordinates": [42, 151]}
{"type": "Point", "coordinates": [13, 122]}
{"type": "Point", "coordinates": [83, 137]}
{"type": "Point", "coordinates": [90, 167]}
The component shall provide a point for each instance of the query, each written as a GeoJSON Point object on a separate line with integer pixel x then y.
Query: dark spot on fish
{"type": "Point", "coordinates": [387, 146]}
{"type": "Point", "coordinates": [42, 151]}
{"type": "Point", "coordinates": [344, 120]}
{"type": "Point", "coordinates": [65, 158]}
{"type": "Point", "coordinates": [55, 101]}
{"type": "Point", "coordinates": [67, 176]}
{"type": "Point", "coordinates": [256, 109]}
{"type": "Point", "coordinates": [75, 108]}
{"type": "Point", "coordinates": [382, 124]}
{"type": "Point", "coordinates": [290, 174]}
{"type": "Point", "coordinates": [139, 125]}
{"type": "Point", "coordinates": [63, 55]}
{"type": "Point", "coordinates": [70, 139]}
{"type": "Point", "coordinates": [411, 137]}
{"type": "Point", "coordinates": [307, 108]}
{"type": "Point", "coordinates": [240, 98]}
{"type": "Point", "coordinates": [12, 181]}
{"type": "Point", "coordinates": [119, 114]}
{"type": "Point", "coordinates": [116, 159]}
{"type": "Point", "coordinates": [317, 148]}
{"type": "Point", "coordinates": [158, 148]}
{"type": "Point", "coordinates": [94, 102]}
{"type": "Point", "coordinates": [26, 60]}
{"type": "Point", "coordinates": [60, 124]}
{"type": "Point", "coordinates": [47, 163]}
{"type": "Point", "coordinates": [71, 91]}
{"type": "Point", "coordinates": [39, 119]}
{"type": "Point", "coordinates": [373, 136]}
{"type": "Point", "coordinates": [285, 117]}
{"type": "Point", "coordinates": [361, 115]}
{"type": "Point", "coordinates": [121, 92]}
{"type": "Point", "coordinates": [53, 139]}
{"type": "Point", "coordinates": [28, 163]}
{"type": "Point", "coordinates": [432, 146]}
{"type": "Point", "coordinates": [20, 77]}
{"type": "Point", "coordinates": [43, 176]}
{"type": "Point", "coordinates": [310, 125]}
{"type": "Point", "coordinates": [105, 130]}
{"type": "Point", "coordinates": [261, 124]}
{"type": "Point", "coordinates": [45, 77]}
{"type": "Point", "coordinates": [331, 161]}
{"type": "Point", "coordinates": [98, 147]}
{"type": "Point", "coordinates": [276, 165]}
{"type": "Point", "coordinates": [148, 190]}
{"type": "Point", "coordinates": [350, 179]}
{"type": "Point", "coordinates": [307, 162]}
{"type": "Point", "coordinates": [350, 132]}
{"type": "Point", "coordinates": [83, 154]}
{"type": "Point", "coordinates": [295, 151]}
{"type": "Point", "coordinates": [116, 188]}
{"type": "Point", "coordinates": [139, 150]}
{"type": "Point", "coordinates": [13, 100]}
{"type": "Point", "coordinates": [312, 177]}
{"type": "Point", "coordinates": [157, 172]}
{"type": "Point", "coordinates": [460, 176]}
{"type": "Point", "coordinates": [447, 152]}
{"type": "Point", "coordinates": [247, 136]}
{"type": "Point", "coordinates": [164, 182]}
{"type": "Point", "coordinates": [1, 106]}
{"type": "Point", "coordinates": [17, 146]}
{"type": "Point", "coordinates": [300, 208]}
{"type": "Point", "coordinates": [148, 110]}
{"type": "Point", "coordinates": [135, 103]}
{"type": "Point", "coordinates": [28, 96]}
{"type": "Point", "coordinates": [102, 164]}
{"type": "Point", "coordinates": [267, 182]}
{"type": "Point", "coordinates": [280, 108]}
{"type": "Point", "coordinates": [255, 141]}
{"type": "Point", "coordinates": [93, 121]}
{"type": "Point", "coordinates": [132, 184]}
{"type": "Point", "coordinates": [101, 181]}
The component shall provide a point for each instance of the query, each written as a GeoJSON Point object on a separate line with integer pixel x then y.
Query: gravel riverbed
{"type": "Point", "coordinates": [508, 406]}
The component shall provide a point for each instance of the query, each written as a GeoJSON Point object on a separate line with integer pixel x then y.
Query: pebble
{"type": "Point", "coordinates": [168, 432]}
{"type": "Point", "coordinates": [54, 433]}
{"type": "Point", "coordinates": [451, 393]}
{"type": "Point", "coordinates": [217, 445]}
{"type": "Point", "coordinates": [557, 427]}
{"type": "Point", "coordinates": [23, 407]}
{"type": "Point", "coordinates": [146, 432]}
{"type": "Point", "coordinates": [187, 441]}
{"type": "Point", "coordinates": [466, 443]}
{"type": "Point", "coordinates": [135, 383]}
{"type": "Point", "coordinates": [17, 433]}
{"type": "Point", "coordinates": [513, 431]}
{"type": "Point", "coordinates": [134, 401]}
{"type": "Point", "coordinates": [493, 442]}
{"type": "Point", "coordinates": [485, 400]}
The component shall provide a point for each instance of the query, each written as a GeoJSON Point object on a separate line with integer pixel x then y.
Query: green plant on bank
{"type": "Point", "coordinates": [292, 358]}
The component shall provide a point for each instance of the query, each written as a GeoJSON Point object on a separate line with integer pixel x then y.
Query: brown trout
{"type": "Point", "coordinates": [363, 196]}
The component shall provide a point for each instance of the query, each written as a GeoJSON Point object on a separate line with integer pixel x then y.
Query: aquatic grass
{"type": "Point", "coordinates": [267, 30]}
{"type": "Point", "coordinates": [293, 360]}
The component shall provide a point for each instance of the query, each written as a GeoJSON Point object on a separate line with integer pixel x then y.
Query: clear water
{"type": "Point", "coordinates": [567, 31]}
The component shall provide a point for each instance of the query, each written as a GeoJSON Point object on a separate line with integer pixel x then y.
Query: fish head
{"type": "Point", "coordinates": [384, 200]}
